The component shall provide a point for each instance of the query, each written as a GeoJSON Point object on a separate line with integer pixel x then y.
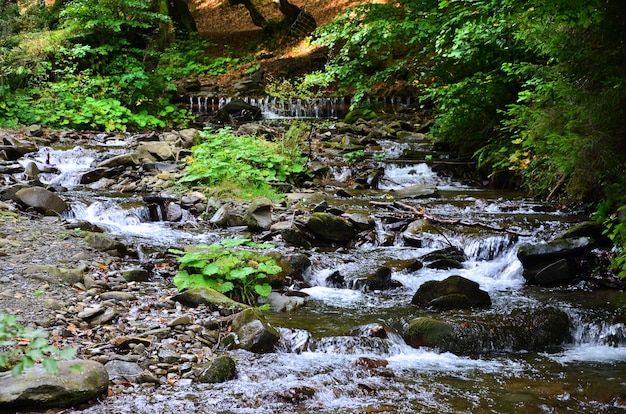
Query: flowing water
{"type": "Point", "coordinates": [320, 367]}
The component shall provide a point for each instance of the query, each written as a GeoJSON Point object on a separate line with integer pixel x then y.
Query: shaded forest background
{"type": "Point", "coordinates": [534, 92]}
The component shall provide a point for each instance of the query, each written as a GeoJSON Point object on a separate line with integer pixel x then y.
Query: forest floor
{"type": "Point", "coordinates": [231, 32]}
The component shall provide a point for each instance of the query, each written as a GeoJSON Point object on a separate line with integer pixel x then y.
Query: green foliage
{"type": "Point", "coordinates": [533, 90]}
{"type": "Point", "coordinates": [245, 161]}
{"type": "Point", "coordinates": [354, 156]}
{"type": "Point", "coordinates": [615, 229]}
{"type": "Point", "coordinates": [235, 267]}
{"type": "Point", "coordinates": [25, 347]}
{"type": "Point", "coordinates": [187, 58]}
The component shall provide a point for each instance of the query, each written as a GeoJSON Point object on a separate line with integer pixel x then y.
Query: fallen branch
{"type": "Point", "coordinates": [397, 205]}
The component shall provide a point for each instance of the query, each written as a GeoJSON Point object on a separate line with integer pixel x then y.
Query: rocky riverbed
{"type": "Point", "coordinates": [114, 300]}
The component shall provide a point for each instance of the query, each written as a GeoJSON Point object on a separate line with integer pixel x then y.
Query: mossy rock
{"type": "Point", "coordinates": [221, 369]}
{"type": "Point", "coordinates": [428, 332]}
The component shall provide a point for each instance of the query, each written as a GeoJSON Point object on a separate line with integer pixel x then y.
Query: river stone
{"type": "Point", "coordinates": [548, 259]}
{"type": "Point", "coordinates": [40, 199]}
{"type": "Point", "coordinates": [375, 281]}
{"type": "Point", "coordinates": [161, 151]}
{"type": "Point", "coordinates": [210, 298]}
{"type": "Point", "coordinates": [258, 216]}
{"type": "Point", "coordinates": [173, 212]}
{"type": "Point", "coordinates": [37, 388]}
{"type": "Point", "coordinates": [330, 227]}
{"type": "Point", "coordinates": [126, 160]}
{"type": "Point", "coordinates": [296, 237]}
{"type": "Point", "coordinates": [292, 264]}
{"type": "Point", "coordinates": [189, 137]}
{"type": "Point", "coordinates": [220, 369]}
{"type": "Point", "coordinates": [137, 274]}
{"type": "Point", "coordinates": [279, 302]}
{"type": "Point", "coordinates": [123, 370]}
{"type": "Point", "coordinates": [13, 148]}
{"type": "Point", "coordinates": [254, 333]}
{"type": "Point", "coordinates": [118, 296]}
{"type": "Point", "coordinates": [429, 332]}
{"type": "Point", "coordinates": [100, 242]}
{"type": "Point", "coordinates": [591, 229]}
{"type": "Point", "coordinates": [69, 276]}
{"type": "Point", "coordinates": [31, 170]}
{"type": "Point", "coordinates": [360, 220]}
{"type": "Point", "coordinates": [416, 191]}
{"type": "Point", "coordinates": [454, 292]}
{"type": "Point", "coordinates": [239, 110]}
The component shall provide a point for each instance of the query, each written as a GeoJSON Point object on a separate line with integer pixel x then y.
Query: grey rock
{"type": "Point", "coordinates": [123, 370]}
{"type": "Point", "coordinates": [76, 382]}
{"type": "Point", "coordinates": [40, 199]}
{"type": "Point", "coordinates": [254, 333]}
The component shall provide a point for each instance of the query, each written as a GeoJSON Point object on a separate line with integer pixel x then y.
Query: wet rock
{"type": "Point", "coordinates": [295, 236]}
{"type": "Point", "coordinates": [37, 388]}
{"type": "Point", "coordinates": [220, 369]}
{"type": "Point", "coordinates": [211, 298]}
{"type": "Point", "coordinates": [258, 216]}
{"type": "Point", "coordinates": [98, 173]}
{"type": "Point", "coordinates": [240, 111]}
{"type": "Point", "coordinates": [31, 170]}
{"type": "Point", "coordinates": [280, 302]}
{"type": "Point", "coordinates": [361, 221]}
{"type": "Point", "coordinates": [378, 280]}
{"type": "Point", "coordinates": [40, 199]}
{"type": "Point", "coordinates": [448, 258]}
{"type": "Point", "coordinates": [330, 227]}
{"type": "Point", "coordinates": [293, 266]}
{"type": "Point", "coordinates": [254, 333]}
{"type": "Point", "coordinates": [227, 216]}
{"type": "Point", "coordinates": [12, 149]}
{"type": "Point", "coordinates": [591, 229]}
{"type": "Point", "coordinates": [125, 160]}
{"type": "Point", "coordinates": [522, 329]}
{"type": "Point", "coordinates": [335, 280]}
{"type": "Point", "coordinates": [173, 212]}
{"type": "Point", "coordinates": [416, 191]}
{"type": "Point", "coordinates": [454, 292]}
{"type": "Point", "coordinates": [296, 394]}
{"type": "Point", "coordinates": [554, 262]}
{"type": "Point", "coordinates": [370, 363]}
{"type": "Point", "coordinates": [123, 370]}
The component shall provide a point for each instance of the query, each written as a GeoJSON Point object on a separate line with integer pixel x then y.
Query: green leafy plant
{"type": "Point", "coordinates": [235, 267]}
{"type": "Point", "coordinates": [25, 347]}
{"type": "Point", "coordinates": [615, 229]}
{"type": "Point", "coordinates": [246, 162]}
{"type": "Point", "coordinates": [353, 156]}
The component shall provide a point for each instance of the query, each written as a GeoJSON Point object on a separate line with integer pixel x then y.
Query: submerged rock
{"type": "Point", "coordinates": [76, 382]}
{"type": "Point", "coordinates": [378, 280]}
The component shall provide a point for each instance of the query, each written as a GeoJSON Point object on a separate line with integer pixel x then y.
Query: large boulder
{"type": "Point", "coordinates": [40, 199]}
{"type": "Point", "coordinates": [76, 382]}
{"type": "Point", "coordinates": [254, 333]}
{"type": "Point", "coordinates": [523, 329]}
{"type": "Point", "coordinates": [330, 227]}
{"type": "Point", "coordinates": [454, 292]}
{"type": "Point", "coordinates": [554, 262]}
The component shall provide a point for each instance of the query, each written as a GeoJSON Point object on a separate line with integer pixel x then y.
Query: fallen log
{"type": "Point", "coordinates": [397, 205]}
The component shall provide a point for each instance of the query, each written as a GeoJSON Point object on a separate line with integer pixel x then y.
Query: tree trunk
{"type": "Point", "coordinates": [257, 18]}
{"type": "Point", "coordinates": [181, 16]}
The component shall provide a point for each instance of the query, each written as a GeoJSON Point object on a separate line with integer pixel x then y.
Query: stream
{"type": "Point", "coordinates": [318, 367]}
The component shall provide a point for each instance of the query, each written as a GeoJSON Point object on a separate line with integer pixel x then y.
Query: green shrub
{"type": "Point", "coordinates": [235, 267]}
{"type": "Point", "coordinates": [245, 162]}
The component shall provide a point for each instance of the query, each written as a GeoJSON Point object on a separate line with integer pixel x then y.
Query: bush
{"type": "Point", "coordinates": [234, 267]}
